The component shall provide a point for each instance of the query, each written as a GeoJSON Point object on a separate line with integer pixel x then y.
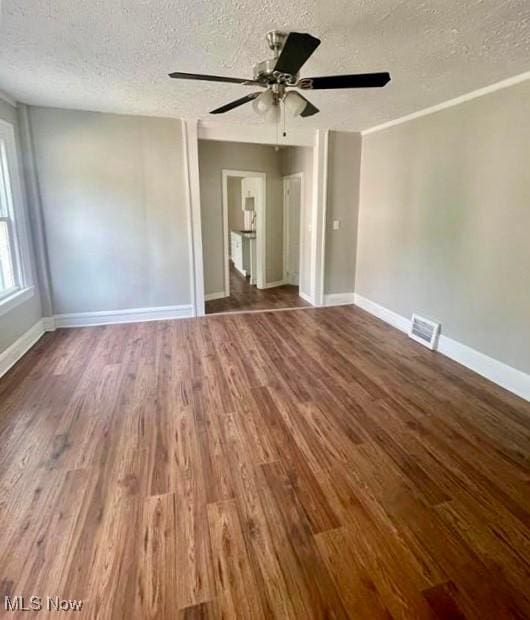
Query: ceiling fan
{"type": "Point", "coordinates": [278, 74]}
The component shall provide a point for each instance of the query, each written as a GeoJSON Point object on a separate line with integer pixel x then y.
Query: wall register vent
{"type": "Point", "coordinates": [424, 331]}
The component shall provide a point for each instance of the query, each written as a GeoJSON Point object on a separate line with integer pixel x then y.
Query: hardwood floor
{"type": "Point", "coordinates": [306, 464]}
{"type": "Point", "coordinates": [243, 296]}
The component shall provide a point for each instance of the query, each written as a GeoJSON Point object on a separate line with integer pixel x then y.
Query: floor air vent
{"type": "Point", "coordinates": [424, 331]}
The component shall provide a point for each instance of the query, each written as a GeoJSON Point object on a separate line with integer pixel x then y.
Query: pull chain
{"type": "Point", "coordinates": [278, 129]}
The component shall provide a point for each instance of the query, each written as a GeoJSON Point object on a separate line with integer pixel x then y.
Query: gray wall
{"type": "Point", "coordinates": [344, 168]}
{"type": "Point", "coordinates": [300, 159]}
{"type": "Point", "coordinates": [114, 207]}
{"type": "Point", "coordinates": [14, 323]}
{"type": "Point", "coordinates": [236, 215]}
{"type": "Point", "coordinates": [214, 156]}
{"type": "Point", "coordinates": [444, 226]}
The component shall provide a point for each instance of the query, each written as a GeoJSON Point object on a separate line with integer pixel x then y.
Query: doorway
{"type": "Point", "coordinates": [314, 212]}
{"type": "Point", "coordinates": [244, 225]}
{"type": "Point", "coordinates": [246, 250]}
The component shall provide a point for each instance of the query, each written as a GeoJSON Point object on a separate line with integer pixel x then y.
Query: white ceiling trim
{"type": "Point", "coordinates": [8, 99]}
{"type": "Point", "coordinates": [517, 79]}
{"type": "Point", "coordinates": [256, 134]}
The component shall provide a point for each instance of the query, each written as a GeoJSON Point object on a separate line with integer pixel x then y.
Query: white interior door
{"type": "Point", "coordinates": [292, 204]}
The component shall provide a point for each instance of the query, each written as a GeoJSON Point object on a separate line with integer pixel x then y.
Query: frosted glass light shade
{"type": "Point", "coordinates": [294, 103]}
{"type": "Point", "coordinates": [263, 103]}
{"type": "Point", "coordinates": [273, 114]}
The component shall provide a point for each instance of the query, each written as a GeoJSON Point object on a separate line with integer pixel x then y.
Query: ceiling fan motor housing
{"type": "Point", "coordinates": [264, 71]}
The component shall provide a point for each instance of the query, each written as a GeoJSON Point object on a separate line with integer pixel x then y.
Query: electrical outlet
{"type": "Point", "coordinates": [336, 224]}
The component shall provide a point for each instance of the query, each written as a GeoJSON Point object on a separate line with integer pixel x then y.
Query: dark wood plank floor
{"type": "Point", "coordinates": [303, 464]}
{"type": "Point", "coordinates": [245, 297]}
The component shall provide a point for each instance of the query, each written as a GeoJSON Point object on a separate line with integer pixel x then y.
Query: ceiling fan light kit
{"type": "Point", "coordinates": [263, 102]}
{"type": "Point", "coordinates": [280, 73]}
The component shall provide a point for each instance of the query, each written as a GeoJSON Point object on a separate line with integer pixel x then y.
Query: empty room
{"type": "Point", "coordinates": [265, 309]}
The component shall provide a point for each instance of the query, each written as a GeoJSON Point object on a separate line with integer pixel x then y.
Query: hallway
{"type": "Point", "coordinates": [243, 296]}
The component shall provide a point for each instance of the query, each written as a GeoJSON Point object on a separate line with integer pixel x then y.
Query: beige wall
{"type": "Point", "coordinates": [115, 214]}
{"type": "Point", "coordinates": [444, 227]}
{"type": "Point", "coordinates": [17, 321]}
{"type": "Point", "coordinates": [344, 165]}
{"type": "Point", "coordinates": [215, 156]}
{"type": "Point", "coordinates": [300, 159]}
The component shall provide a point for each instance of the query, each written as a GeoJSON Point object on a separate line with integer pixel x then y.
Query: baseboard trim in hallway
{"type": "Point", "coordinates": [339, 299]}
{"type": "Point", "coordinates": [212, 296]}
{"type": "Point", "coordinates": [245, 296]}
{"type": "Point", "coordinates": [275, 284]}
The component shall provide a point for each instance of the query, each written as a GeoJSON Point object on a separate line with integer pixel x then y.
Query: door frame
{"type": "Point", "coordinates": [317, 139]}
{"type": "Point", "coordinates": [286, 235]}
{"type": "Point", "coordinates": [261, 225]}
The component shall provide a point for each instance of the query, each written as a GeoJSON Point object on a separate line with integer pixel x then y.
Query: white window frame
{"type": "Point", "coordinates": [16, 220]}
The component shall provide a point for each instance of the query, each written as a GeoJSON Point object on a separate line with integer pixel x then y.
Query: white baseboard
{"type": "Point", "coordinates": [48, 322]}
{"type": "Point", "coordinates": [506, 376]}
{"type": "Point", "coordinates": [500, 373]}
{"type": "Point", "coordinates": [130, 315]}
{"type": "Point", "coordinates": [212, 296]}
{"type": "Point", "coordinates": [388, 316]}
{"type": "Point", "coordinates": [13, 353]}
{"type": "Point", "coordinates": [274, 284]}
{"type": "Point", "coordinates": [305, 297]}
{"type": "Point", "coordinates": [240, 271]}
{"type": "Point", "coordinates": [338, 299]}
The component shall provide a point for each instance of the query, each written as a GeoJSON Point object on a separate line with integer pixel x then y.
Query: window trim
{"type": "Point", "coordinates": [19, 225]}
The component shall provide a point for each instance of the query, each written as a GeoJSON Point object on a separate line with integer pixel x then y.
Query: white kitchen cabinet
{"type": "Point", "coordinates": [240, 251]}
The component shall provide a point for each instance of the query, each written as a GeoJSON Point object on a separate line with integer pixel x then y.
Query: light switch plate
{"type": "Point", "coordinates": [336, 224]}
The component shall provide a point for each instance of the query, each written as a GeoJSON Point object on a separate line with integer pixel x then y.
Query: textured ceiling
{"type": "Point", "coordinates": [114, 55]}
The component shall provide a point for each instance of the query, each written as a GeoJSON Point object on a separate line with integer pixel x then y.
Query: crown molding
{"type": "Point", "coordinates": [517, 79]}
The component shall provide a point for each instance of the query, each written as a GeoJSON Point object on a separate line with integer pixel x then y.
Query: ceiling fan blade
{"type": "Point", "coordinates": [310, 109]}
{"type": "Point", "coordinates": [360, 80]}
{"type": "Point", "coordinates": [235, 104]}
{"type": "Point", "coordinates": [297, 48]}
{"type": "Point", "coordinates": [209, 78]}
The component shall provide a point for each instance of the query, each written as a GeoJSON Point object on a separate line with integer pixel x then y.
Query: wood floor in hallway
{"type": "Point", "coordinates": [245, 297]}
{"type": "Point", "coordinates": [307, 464]}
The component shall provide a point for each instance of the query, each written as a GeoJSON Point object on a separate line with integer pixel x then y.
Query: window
{"type": "Point", "coordinates": [13, 274]}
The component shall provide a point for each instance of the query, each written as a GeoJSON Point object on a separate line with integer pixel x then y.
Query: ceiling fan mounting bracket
{"type": "Point", "coordinates": [276, 40]}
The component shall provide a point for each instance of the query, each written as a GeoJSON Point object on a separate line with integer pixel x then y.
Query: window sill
{"type": "Point", "coordinates": [12, 301]}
